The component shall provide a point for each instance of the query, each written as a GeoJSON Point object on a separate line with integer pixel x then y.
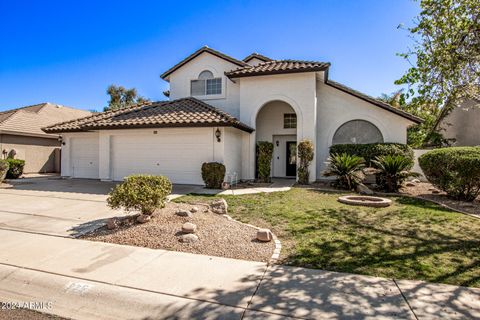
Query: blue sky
{"type": "Point", "coordinates": [69, 52]}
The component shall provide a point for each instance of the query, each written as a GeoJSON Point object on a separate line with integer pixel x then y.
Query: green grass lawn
{"type": "Point", "coordinates": [412, 239]}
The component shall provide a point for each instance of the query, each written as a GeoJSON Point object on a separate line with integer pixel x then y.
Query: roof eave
{"type": "Point", "coordinates": [274, 72]}
{"type": "Point", "coordinates": [218, 54]}
{"type": "Point", "coordinates": [164, 125]}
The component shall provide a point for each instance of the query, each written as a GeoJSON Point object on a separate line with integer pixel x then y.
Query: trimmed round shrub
{"type": "Point", "coordinates": [264, 160]}
{"type": "Point", "coordinates": [454, 170]}
{"type": "Point", "coordinates": [3, 169]}
{"type": "Point", "coordinates": [213, 174]}
{"type": "Point", "coordinates": [15, 168]}
{"type": "Point", "coordinates": [371, 151]}
{"type": "Point", "coordinates": [143, 193]}
{"type": "Point", "coordinates": [305, 157]}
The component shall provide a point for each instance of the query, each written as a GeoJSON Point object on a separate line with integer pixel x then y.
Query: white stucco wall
{"type": "Point", "coordinates": [180, 82]}
{"type": "Point", "coordinates": [298, 90]}
{"type": "Point", "coordinates": [233, 152]}
{"type": "Point", "coordinates": [270, 121]}
{"type": "Point", "coordinates": [336, 107]}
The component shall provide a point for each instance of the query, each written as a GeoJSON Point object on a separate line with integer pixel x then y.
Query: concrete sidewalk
{"type": "Point", "coordinates": [93, 280]}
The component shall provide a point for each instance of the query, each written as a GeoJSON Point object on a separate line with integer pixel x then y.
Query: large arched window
{"type": "Point", "coordinates": [357, 131]}
{"type": "Point", "coordinates": [206, 84]}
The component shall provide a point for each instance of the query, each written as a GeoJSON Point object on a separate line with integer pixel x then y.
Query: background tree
{"type": "Point", "coordinates": [445, 59]}
{"type": "Point", "coordinates": [120, 97]}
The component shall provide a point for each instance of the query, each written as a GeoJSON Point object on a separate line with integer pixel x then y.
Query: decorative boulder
{"type": "Point", "coordinates": [264, 235]}
{"type": "Point", "coordinates": [416, 181]}
{"type": "Point", "coordinates": [410, 184]}
{"type": "Point", "coordinates": [183, 213]}
{"type": "Point", "coordinates": [194, 209]}
{"type": "Point", "coordinates": [188, 238]}
{"type": "Point", "coordinates": [143, 218]}
{"type": "Point", "coordinates": [219, 206]}
{"type": "Point", "coordinates": [112, 223]}
{"type": "Point", "coordinates": [189, 228]}
{"type": "Point", "coordinates": [363, 189]}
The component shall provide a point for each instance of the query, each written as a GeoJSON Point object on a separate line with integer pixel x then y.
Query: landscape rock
{"type": "Point", "coordinates": [264, 235]}
{"type": "Point", "coordinates": [188, 238]}
{"type": "Point", "coordinates": [434, 191]}
{"type": "Point", "coordinates": [363, 189]}
{"type": "Point", "coordinates": [410, 184]}
{"type": "Point", "coordinates": [112, 223]}
{"type": "Point", "coordinates": [183, 213]}
{"type": "Point", "coordinates": [143, 218]}
{"type": "Point", "coordinates": [416, 181]}
{"type": "Point", "coordinates": [194, 209]}
{"type": "Point", "coordinates": [219, 206]}
{"type": "Point", "coordinates": [189, 227]}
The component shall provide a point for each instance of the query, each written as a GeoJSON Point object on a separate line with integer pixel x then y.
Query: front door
{"type": "Point", "coordinates": [291, 159]}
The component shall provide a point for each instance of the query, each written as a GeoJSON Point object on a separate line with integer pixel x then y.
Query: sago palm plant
{"type": "Point", "coordinates": [347, 168]}
{"type": "Point", "coordinates": [393, 171]}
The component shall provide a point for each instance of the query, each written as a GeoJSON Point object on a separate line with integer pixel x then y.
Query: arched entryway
{"type": "Point", "coordinates": [276, 122]}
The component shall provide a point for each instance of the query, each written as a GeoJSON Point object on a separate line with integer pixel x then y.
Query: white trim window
{"type": "Point", "coordinates": [289, 120]}
{"type": "Point", "coordinates": [206, 85]}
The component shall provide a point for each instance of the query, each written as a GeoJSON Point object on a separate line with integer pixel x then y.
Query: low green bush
{"type": "Point", "coordinates": [370, 151]}
{"type": "Point", "coordinates": [264, 160]}
{"type": "Point", "coordinates": [392, 171]}
{"type": "Point", "coordinates": [15, 168]}
{"type": "Point", "coordinates": [213, 174]}
{"type": "Point", "coordinates": [347, 168]}
{"type": "Point", "coordinates": [454, 170]}
{"type": "Point", "coordinates": [143, 193]}
{"type": "Point", "coordinates": [3, 169]}
{"type": "Point", "coordinates": [305, 156]}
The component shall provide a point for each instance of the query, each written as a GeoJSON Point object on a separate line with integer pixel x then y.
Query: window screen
{"type": "Point", "coordinates": [357, 131]}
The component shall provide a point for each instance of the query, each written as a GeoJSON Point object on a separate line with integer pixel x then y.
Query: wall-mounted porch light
{"type": "Point", "coordinates": [60, 139]}
{"type": "Point", "coordinates": [218, 135]}
{"type": "Point", "coordinates": [277, 143]}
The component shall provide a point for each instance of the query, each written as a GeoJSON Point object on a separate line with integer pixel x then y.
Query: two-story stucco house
{"type": "Point", "coordinates": [218, 108]}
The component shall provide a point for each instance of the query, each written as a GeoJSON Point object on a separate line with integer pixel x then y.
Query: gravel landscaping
{"type": "Point", "coordinates": [26, 314]}
{"type": "Point", "coordinates": [218, 236]}
{"type": "Point", "coordinates": [424, 190]}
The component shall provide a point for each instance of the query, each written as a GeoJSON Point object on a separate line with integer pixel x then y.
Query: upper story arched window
{"type": "Point", "coordinates": [357, 131]}
{"type": "Point", "coordinates": [206, 84]}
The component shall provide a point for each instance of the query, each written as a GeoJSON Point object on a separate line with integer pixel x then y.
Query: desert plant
{"type": "Point", "coordinates": [3, 169]}
{"type": "Point", "coordinates": [264, 160]}
{"type": "Point", "coordinates": [370, 151]}
{"type": "Point", "coordinates": [143, 193]}
{"type": "Point", "coordinates": [15, 168]}
{"type": "Point", "coordinates": [305, 155]}
{"type": "Point", "coordinates": [347, 168]}
{"type": "Point", "coordinates": [454, 170]}
{"type": "Point", "coordinates": [213, 174]}
{"type": "Point", "coordinates": [392, 171]}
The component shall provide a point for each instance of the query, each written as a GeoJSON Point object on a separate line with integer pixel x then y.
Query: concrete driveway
{"type": "Point", "coordinates": [55, 206]}
{"type": "Point", "coordinates": [60, 207]}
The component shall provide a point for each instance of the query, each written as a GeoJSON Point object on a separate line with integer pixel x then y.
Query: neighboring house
{"type": "Point", "coordinates": [21, 135]}
{"type": "Point", "coordinates": [462, 125]}
{"type": "Point", "coordinates": [219, 108]}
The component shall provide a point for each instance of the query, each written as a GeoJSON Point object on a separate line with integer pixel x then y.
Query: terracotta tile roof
{"type": "Point", "coordinates": [30, 119]}
{"type": "Point", "coordinates": [256, 56]}
{"type": "Point", "coordinates": [186, 112]}
{"type": "Point", "coordinates": [278, 67]}
{"type": "Point", "coordinates": [374, 101]}
{"type": "Point", "coordinates": [199, 52]}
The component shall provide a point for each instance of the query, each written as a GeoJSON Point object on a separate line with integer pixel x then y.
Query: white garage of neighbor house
{"type": "Point", "coordinates": [219, 108]}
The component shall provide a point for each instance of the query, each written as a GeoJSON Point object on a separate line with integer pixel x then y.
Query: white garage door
{"type": "Point", "coordinates": [84, 157]}
{"type": "Point", "coordinates": [175, 153]}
